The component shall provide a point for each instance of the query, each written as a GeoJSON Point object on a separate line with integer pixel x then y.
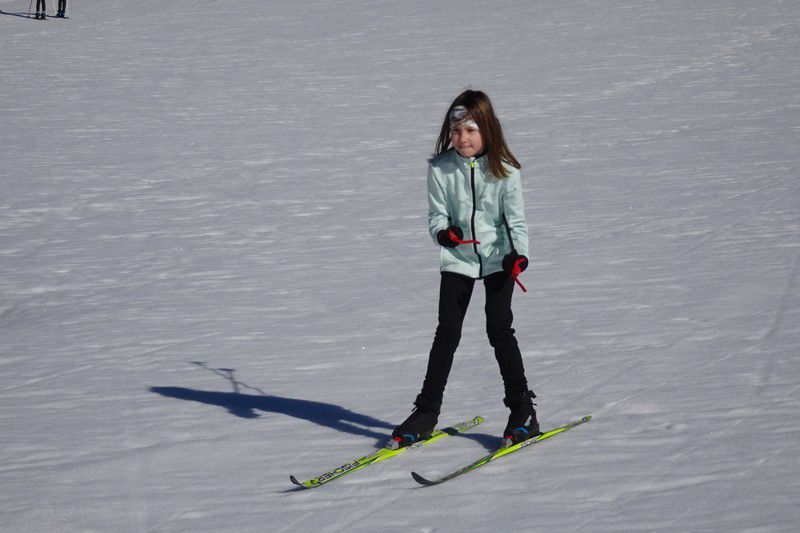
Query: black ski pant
{"type": "Point", "coordinates": [62, 6]}
{"type": "Point", "coordinates": [43, 7]}
{"type": "Point", "coordinates": [455, 292]}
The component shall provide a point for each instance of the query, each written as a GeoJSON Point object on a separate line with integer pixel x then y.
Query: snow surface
{"type": "Point", "coordinates": [215, 271]}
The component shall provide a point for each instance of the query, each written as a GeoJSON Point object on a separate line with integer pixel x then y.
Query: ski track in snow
{"type": "Point", "coordinates": [215, 271]}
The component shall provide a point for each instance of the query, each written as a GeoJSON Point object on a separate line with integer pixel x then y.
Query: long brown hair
{"type": "Point", "coordinates": [479, 108]}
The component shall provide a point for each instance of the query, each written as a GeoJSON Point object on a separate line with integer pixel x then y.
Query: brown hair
{"type": "Point", "coordinates": [479, 108]}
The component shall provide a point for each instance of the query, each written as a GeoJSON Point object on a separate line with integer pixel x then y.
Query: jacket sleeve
{"type": "Point", "coordinates": [438, 217]}
{"type": "Point", "coordinates": [514, 213]}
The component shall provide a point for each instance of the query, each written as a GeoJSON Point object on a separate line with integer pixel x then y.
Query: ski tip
{"type": "Point", "coordinates": [421, 480]}
{"type": "Point", "coordinates": [587, 418]}
{"type": "Point", "coordinates": [294, 480]}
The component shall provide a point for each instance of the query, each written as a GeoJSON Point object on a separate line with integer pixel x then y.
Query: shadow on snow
{"type": "Point", "coordinates": [21, 15]}
{"type": "Point", "coordinates": [324, 414]}
{"type": "Point", "coordinates": [248, 405]}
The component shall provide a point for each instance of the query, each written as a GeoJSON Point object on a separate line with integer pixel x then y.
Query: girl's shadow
{"type": "Point", "coordinates": [248, 405]}
{"type": "Point", "coordinates": [325, 414]}
{"type": "Point", "coordinates": [21, 15]}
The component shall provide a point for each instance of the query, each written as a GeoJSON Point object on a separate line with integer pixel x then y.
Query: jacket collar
{"type": "Point", "coordinates": [480, 160]}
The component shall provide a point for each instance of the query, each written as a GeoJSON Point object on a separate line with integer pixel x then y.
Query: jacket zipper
{"type": "Point", "coordinates": [474, 211]}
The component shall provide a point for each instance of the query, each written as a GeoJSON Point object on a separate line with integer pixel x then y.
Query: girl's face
{"type": "Point", "coordinates": [467, 140]}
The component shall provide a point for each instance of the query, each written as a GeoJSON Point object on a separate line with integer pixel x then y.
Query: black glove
{"type": "Point", "coordinates": [515, 264]}
{"type": "Point", "coordinates": [444, 238]}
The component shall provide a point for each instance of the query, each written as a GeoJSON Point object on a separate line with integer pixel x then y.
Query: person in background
{"type": "Point", "coordinates": [41, 10]}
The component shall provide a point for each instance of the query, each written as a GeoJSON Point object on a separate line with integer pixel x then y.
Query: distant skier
{"type": "Point", "coordinates": [476, 215]}
{"type": "Point", "coordinates": [62, 9]}
{"type": "Point", "coordinates": [41, 10]}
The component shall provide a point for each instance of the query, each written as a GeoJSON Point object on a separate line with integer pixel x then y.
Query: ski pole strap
{"type": "Point", "coordinates": [454, 238]}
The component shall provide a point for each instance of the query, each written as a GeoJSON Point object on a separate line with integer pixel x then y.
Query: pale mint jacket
{"type": "Point", "coordinates": [464, 193]}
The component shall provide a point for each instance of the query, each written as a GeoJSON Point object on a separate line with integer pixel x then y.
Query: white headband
{"type": "Point", "coordinates": [460, 117]}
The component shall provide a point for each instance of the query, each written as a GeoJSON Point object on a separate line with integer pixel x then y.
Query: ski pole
{"type": "Point", "coordinates": [455, 239]}
{"type": "Point", "coordinates": [30, 4]}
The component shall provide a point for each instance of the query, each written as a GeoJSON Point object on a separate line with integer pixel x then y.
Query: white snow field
{"type": "Point", "coordinates": [215, 269]}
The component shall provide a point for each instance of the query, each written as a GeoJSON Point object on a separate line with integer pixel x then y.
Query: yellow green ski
{"type": "Point", "coordinates": [383, 454]}
{"type": "Point", "coordinates": [500, 453]}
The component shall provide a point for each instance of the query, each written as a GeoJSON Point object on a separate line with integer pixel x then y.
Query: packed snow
{"type": "Point", "coordinates": [215, 269]}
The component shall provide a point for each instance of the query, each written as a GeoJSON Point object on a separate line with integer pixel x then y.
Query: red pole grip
{"type": "Point", "coordinates": [454, 238]}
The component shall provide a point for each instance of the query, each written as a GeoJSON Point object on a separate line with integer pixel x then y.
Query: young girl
{"type": "Point", "coordinates": [476, 215]}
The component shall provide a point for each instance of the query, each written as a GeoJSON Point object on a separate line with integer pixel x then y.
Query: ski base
{"type": "Point", "coordinates": [499, 453]}
{"type": "Point", "coordinates": [383, 454]}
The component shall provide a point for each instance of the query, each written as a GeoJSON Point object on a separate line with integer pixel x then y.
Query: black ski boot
{"type": "Point", "coordinates": [418, 426]}
{"type": "Point", "coordinates": [522, 424]}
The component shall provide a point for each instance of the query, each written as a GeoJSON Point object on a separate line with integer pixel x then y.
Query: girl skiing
{"type": "Point", "coordinates": [476, 216]}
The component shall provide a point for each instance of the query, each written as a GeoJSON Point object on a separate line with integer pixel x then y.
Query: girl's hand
{"type": "Point", "coordinates": [515, 265]}
{"type": "Point", "coordinates": [450, 237]}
